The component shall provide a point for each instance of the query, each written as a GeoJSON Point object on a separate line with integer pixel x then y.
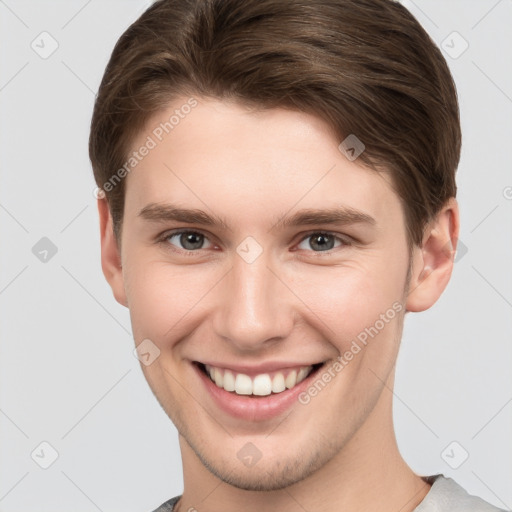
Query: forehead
{"type": "Point", "coordinates": [223, 155]}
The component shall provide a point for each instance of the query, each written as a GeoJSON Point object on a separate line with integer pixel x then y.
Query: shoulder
{"type": "Point", "coordinates": [168, 506]}
{"type": "Point", "coordinates": [446, 495]}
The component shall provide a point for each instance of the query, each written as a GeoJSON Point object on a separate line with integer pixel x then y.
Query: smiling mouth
{"type": "Point", "coordinates": [264, 384]}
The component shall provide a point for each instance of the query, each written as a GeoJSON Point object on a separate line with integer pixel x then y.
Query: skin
{"type": "Point", "coordinates": [295, 302]}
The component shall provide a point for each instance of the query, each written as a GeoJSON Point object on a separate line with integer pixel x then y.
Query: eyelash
{"type": "Point", "coordinates": [164, 240]}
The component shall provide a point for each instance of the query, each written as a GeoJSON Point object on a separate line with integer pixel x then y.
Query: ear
{"type": "Point", "coordinates": [432, 263]}
{"type": "Point", "coordinates": [110, 254]}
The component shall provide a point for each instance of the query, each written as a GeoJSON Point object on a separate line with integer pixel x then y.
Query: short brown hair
{"type": "Point", "coordinates": [366, 67]}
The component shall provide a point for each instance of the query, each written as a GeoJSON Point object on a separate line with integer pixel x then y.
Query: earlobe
{"type": "Point", "coordinates": [110, 254]}
{"type": "Point", "coordinates": [432, 263]}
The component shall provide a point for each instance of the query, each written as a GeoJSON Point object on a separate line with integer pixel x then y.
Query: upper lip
{"type": "Point", "coordinates": [257, 369]}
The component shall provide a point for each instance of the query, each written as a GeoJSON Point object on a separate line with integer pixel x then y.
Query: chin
{"type": "Point", "coordinates": [269, 475]}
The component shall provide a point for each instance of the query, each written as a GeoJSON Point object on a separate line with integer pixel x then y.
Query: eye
{"type": "Point", "coordinates": [190, 240]}
{"type": "Point", "coordinates": [322, 241]}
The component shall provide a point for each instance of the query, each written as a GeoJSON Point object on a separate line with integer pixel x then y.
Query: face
{"type": "Point", "coordinates": [255, 251]}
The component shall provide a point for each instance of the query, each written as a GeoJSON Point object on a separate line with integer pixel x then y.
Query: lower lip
{"type": "Point", "coordinates": [254, 408]}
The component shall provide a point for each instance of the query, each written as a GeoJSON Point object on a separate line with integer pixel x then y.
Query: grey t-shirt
{"type": "Point", "coordinates": [445, 495]}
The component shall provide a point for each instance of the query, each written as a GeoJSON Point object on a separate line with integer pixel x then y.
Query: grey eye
{"type": "Point", "coordinates": [320, 241]}
{"type": "Point", "coordinates": [189, 240]}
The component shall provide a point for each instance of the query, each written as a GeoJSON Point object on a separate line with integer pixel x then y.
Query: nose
{"type": "Point", "coordinates": [255, 307]}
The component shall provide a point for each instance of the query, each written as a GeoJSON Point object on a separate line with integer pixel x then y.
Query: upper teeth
{"type": "Point", "coordinates": [262, 384]}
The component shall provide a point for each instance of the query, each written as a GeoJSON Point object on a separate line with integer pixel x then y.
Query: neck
{"type": "Point", "coordinates": [367, 474]}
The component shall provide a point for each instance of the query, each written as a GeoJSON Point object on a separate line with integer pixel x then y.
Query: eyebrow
{"type": "Point", "coordinates": [158, 212]}
{"type": "Point", "coordinates": [343, 215]}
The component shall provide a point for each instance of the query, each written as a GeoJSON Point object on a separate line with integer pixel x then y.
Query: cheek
{"type": "Point", "coordinates": [162, 297]}
{"type": "Point", "coordinates": [343, 302]}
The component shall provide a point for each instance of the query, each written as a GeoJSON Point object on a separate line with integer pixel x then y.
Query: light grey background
{"type": "Point", "coordinates": [67, 373]}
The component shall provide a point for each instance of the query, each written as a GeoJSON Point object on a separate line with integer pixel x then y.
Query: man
{"type": "Point", "coordinates": [277, 191]}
